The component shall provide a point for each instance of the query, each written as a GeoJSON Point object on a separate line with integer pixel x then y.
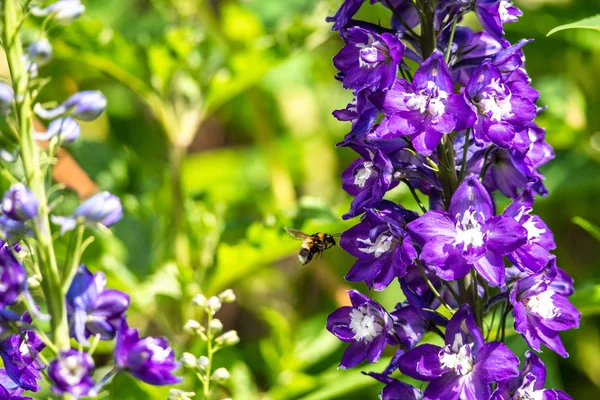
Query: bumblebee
{"type": "Point", "coordinates": [312, 245]}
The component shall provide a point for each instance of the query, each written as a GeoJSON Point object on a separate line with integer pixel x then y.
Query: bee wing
{"type": "Point", "coordinates": [295, 233]}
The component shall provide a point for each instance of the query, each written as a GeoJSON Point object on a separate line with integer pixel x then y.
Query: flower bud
{"type": "Point", "coordinates": [67, 130]}
{"type": "Point", "coordinates": [200, 300]}
{"type": "Point", "coordinates": [176, 394]}
{"type": "Point", "coordinates": [62, 11]}
{"type": "Point", "coordinates": [227, 296]}
{"type": "Point", "coordinates": [84, 106]}
{"type": "Point", "coordinates": [215, 326]}
{"type": "Point", "coordinates": [228, 338]}
{"type": "Point", "coordinates": [7, 96]}
{"type": "Point", "coordinates": [203, 362]}
{"type": "Point", "coordinates": [192, 326]}
{"type": "Point", "coordinates": [220, 375]}
{"type": "Point", "coordinates": [19, 203]}
{"type": "Point", "coordinates": [40, 52]}
{"type": "Point", "coordinates": [189, 360]}
{"type": "Point", "coordinates": [214, 304]}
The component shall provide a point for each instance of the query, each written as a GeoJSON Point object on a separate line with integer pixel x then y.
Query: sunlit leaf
{"type": "Point", "coordinates": [588, 226]}
{"type": "Point", "coordinates": [587, 23]}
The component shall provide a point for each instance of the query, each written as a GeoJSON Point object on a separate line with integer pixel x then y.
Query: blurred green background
{"type": "Point", "coordinates": [219, 133]}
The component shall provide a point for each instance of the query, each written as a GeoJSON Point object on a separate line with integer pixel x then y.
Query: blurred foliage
{"type": "Point", "coordinates": [219, 134]}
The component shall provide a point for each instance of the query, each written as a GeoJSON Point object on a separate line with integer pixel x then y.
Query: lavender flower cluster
{"type": "Point", "coordinates": [458, 127]}
{"type": "Point", "coordinates": [80, 307]}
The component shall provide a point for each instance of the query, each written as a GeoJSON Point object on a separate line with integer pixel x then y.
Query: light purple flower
{"type": "Point", "coordinates": [103, 208]}
{"type": "Point", "coordinates": [19, 203]}
{"type": "Point", "coordinates": [465, 367]}
{"type": "Point", "coordinates": [365, 325]}
{"type": "Point", "coordinates": [84, 106]}
{"type": "Point", "coordinates": [148, 359]}
{"type": "Point", "coordinates": [468, 235]}
{"type": "Point", "coordinates": [426, 109]}
{"type": "Point", "coordinates": [40, 52]}
{"type": "Point", "coordinates": [541, 312]}
{"type": "Point", "coordinates": [61, 11]}
{"type": "Point", "coordinates": [383, 247]}
{"type": "Point", "coordinates": [369, 60]}
{"type": "Point", "coordinates": [66, 129]}
{"type": "Point", "coordinates": [71, 373]}
{"type": "Point", "coordinates": [93, 309]}
{"type": "Point", "coordinates": [529, 384]}
{"type": "Point", "coordinates": [8, 389]}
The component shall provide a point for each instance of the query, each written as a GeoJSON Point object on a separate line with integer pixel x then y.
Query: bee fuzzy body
{"type": "Point", "coordinates": [312, 245]}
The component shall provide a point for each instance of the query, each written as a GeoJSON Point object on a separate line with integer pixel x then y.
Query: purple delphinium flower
{"type": "Point", "coordinates": [12, 275]}
{"type": "Point", "coordinates": [468, 235]}
{"type": "Point", "coordinates": [93, 309]}
{"type": "Point", "coordinates": [541, 312]}
{"type": "Point", "coordinates": [504, 110]}
{"type": "Point", "coordinates": [363, 115]}
{"type": "Point", "coordinates": [66, 129]}
{"type": "Point", "coordinates": [383, 247]}
{"type": "Point", "coordinates": [344, 14]}
{"type": "Point", "coordinates": [71, 373]}
{"type": "Point", "coordinates": [394, 389]}
{"type": "Point", "coordinates": [465, 367]}
{"type": "Point", "coordinates": [529, 384]}
{"type": "Point", "coordinates": [84, 106]}
{"type": "Point", "coordinates": [365, 325]}
{"type": "Point", "coordinates": [493, 14]}
{"type": "Point", "coordinates": [425, 109]}
{"type": "Point", "coordinates": [148, 359]}
{"type": "Point", "coordinates": [103, 208]}
{"type": "Point", "coordinates": [19, 353]}
{"type": "Point", "coordinates": [19, 203]}
{"type": "Point", "coordinates": [9, 390]}
{"type": "Point", "coordinates": [369, 60]}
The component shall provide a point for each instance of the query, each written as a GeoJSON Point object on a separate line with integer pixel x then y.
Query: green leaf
{"type": "Point", "coordinates": [587, 300]}
{"type": "Point", "coordinates": [588, 226]}
{"type": "Point", "coordinates": [586, 23]}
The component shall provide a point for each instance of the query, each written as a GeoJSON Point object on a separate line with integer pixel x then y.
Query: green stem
{"type": "Point", "coordinates": [431, 287]}
{"type": "Point", "coordinates": [74, 259]}
{"type": "Point", "coordinates": [448, 50]}
{"type": "Point", "coordinates": [415, 195]}
{"type": "Point", "coordinates": [209, 355]}
{"type": "Point", "coordinates": [463, 166]}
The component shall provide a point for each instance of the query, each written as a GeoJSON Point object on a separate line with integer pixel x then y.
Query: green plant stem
{"type": "Point", "coordinates": [415, 195]}
{"type": "Point", "coordinates": [209, 355]}
{"type": "Point", "coordinates": [74, 257]}
{"type": "Point", "coordinates": [451, 40]}
{"type": "Point", "coordinates": [463, 166]}
{"type": "Point", "coordinates": [431, 287]}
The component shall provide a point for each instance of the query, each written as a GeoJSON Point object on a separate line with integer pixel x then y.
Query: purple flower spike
{"type": "Point", "coordinates": [368, 61]}
{"type": "Point", "coordinates": [464, 368]}
{"type": "Point", "coordinates": [529, 384]}
{"type": "Point", "coordinates": [19, 203]}
{"type": "Point", "coordinates": [468, 235]}
{"type": "Point", "coordinates": [84, 106]}
{"type": "Point", "coordinates": [92, 308]}
{"type": "Point", "coordinates": [383, 247]}
{"type": "Point", "coordinates": [71, 373]}
{"type": "Point", "coordinates": [148, 359]}
{"type": "Point", "coordinates": [541, 312]}
{"type": "Point", "coordinates": [102, 208]}
{"type": "Point", "coordinates": [365, 325]}
{"type": "Point", "coordinates": [12, 274]}
{"type": "Point", "coordinates": [425, 110]}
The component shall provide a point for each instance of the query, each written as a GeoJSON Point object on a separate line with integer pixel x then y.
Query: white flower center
{"type": "Point", "coordinates": [533, 232]}
{"type": "Point", "coordinates": [468, 231]}
{"type": "Point", "coordinates": [363, 174]}
{"type": "Point", "coordinates": [425, 102]}
{"type": "Point", "coordinates": [382, 245]}
{"type": "Point", "coordinates": [24, 349]}
{"type": "Point", "coordinates": [159, 354]}
{"type": "Point", "coordinates": [503, 12]}
{"type": "Point", "coordinates": [369, 53]}
{"type": "Point", "coordinates": [492, 103]}
{"type": "Point", "coordinates": [74, 371]}
{"type": "Point", "coordinates": [363, 325]}
{"type": "Point", "coordinates": [542, 305]}
{"type": "Point", "coordinates": [529, 393]}
{"type": "Point", "coordinates": [458, 358]}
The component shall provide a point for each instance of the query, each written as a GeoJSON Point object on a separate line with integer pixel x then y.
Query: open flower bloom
{"type": "Point", "coordinates": [382, 246]}
{"type": "Point", "coordinates": [541, 312]}
{"type": "Point", "coordinates": [529, 384]}
{"type": "Point", "coordinates": [369, 60]}
{"type": "Point", "coordinates": [148, 359]}
{"type": "Point", "coordinates": [71, 373]}
{"type": "Point", "coordinates": [425, 109]}
{"type": "Point", "coordinates": [468, 235]}
{"type": "Point", "coordinates": [365, 325]}
{"type": "Point", "coordinates": [465, 367]}
{"type": "Point", "coordinates": [93, 309]}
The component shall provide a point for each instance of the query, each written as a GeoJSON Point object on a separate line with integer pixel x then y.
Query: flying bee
{"type": "Point", "coordinates": [312, 245]}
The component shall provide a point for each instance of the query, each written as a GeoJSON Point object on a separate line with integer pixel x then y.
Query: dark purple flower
{"type": "Point", "coordinates": [365, 325]}
{"type": "Point", "coordinates": [103, 208]}
{"type": "Point", "coordinates": [367, 179]}
{"type": "Point", "coordinates": [468, 235]}
{"type": "Point", "coordinates": [504, 110]}
{"type": "Point", "coordinates": [426, 109]}
{"type": "Point", "coordinates": [93, 309]}
{"type": "Point", "coordinates": [465, 367]}
{"type": "Point", "coordinates": [19, 203]}
{"type": "Point", "coordinates": [541, 312]}
{"type": "Point", "coordinates": [363, 115]}
{"type": "Point", "coordinates": [9, 390]}
{"type": "Point", "coordinates": [394, 389]}
{"type": "Point", "coordinates": [493, 14]}
{"type": "Point", "coordinates": [369, 60]}
{"type": "Point", "coordinates": [71, 373]}
{"type": "Point", "coordinates": [344, 14]}
{"type": "Point", "coordinates": [148, 359]}
{"type": "Point", "coordinates": [529, 384]}
{"type": "Point", "coordinates": [84, 106]}
{"type": "Point", "coordinates": [20, 356]}
{"type": "Point", "coordinates": [13, 230]}
{"type": "Point", "coordinates": [384, 249]}
{"type": "Point", "coordinates": [13, 279]}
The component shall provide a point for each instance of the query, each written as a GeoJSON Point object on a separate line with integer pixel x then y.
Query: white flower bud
{"type": "Point", "coordinates": [193, 327]}
{"type": "Point", "coordinates": [189, 360]}
{"type": "Point", "coordinates": [199, 300]}
{"type": "Point", "coordinates": [227, 296]}
{"type": "Point", "coordinates": [176, 394]}
{"type": "Point", "coordinates": [215, 326]}
{"type": "Point", "coordinates": [214, 304]}
{"type": "Point", "coordinates": [228, 338]}
{"type": "Point", "coordinates": [202, 363]}
{"type": "Point", "coordinates": [220, 375]}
